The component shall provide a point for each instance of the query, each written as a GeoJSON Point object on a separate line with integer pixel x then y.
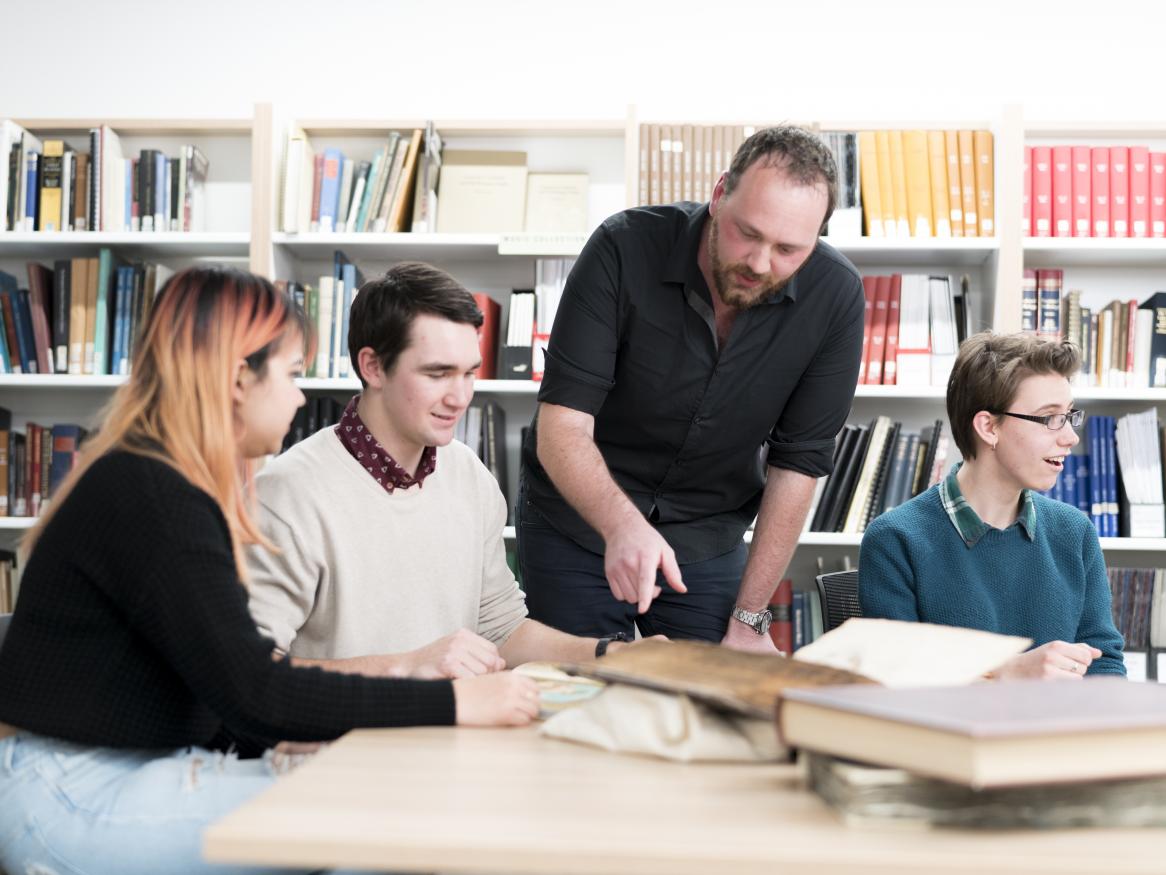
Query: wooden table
{"type": "Point", "coordinates": [510, 801]}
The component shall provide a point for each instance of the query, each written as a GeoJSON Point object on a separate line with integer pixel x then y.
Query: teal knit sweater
{"type": "Point", "coordinates": [914, 565]}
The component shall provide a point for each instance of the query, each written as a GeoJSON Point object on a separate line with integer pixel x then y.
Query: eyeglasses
{"type": "Point", "coordinates": [1054, 421]}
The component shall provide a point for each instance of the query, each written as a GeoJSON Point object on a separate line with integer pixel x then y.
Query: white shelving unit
{"type": "Point", "coordinates": [243, 197]}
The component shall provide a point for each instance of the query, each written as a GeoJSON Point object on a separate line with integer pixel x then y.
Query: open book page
{"type": "Point", "coordinates": [901, 654]}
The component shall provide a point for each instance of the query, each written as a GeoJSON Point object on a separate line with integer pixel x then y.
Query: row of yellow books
{"type": "Point", "coordinates": [927, 183]}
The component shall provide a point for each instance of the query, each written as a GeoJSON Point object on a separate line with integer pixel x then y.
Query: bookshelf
{"type": "Point", "coordinates": [243, 228]}
{"type": "Point", "coordinates": [227, 236]}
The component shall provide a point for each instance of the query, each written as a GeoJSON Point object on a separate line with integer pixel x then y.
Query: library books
{"type": "Point", "coordinates": [682, 162]}
{"type": "Point", "coordinates": [80, 317]}
{"type": "Point", "coordinates": [481, 191]}
{"type": "Point", "coordinates": [58, 186]}
{"type": "Point", "coordinates": [1094, 191]}
{"type": "Point", "coordinates": [927, 183]}
{"type": "Point", "coordinates": [874, 474]}
{"type": "Point", "coordinates": [330, 192]}
{"type": "Point", "coordinates": [556, 202]}
{"type": "Point", "coordinates": [999, 734]}
{"type": "Point", "coordinates": [912, 328]}
{"type": "Point", "coordinates": [865, 795]}
{"type": "Point", "coordinates": [33, 462]}
{"type": "Point", "coordinates": [1122, 342]}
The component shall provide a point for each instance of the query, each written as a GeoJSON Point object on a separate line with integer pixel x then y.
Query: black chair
{"type": "Point", "coordinates": [839, 593]}
{"type": "Point", "coordinates": [4, 618]}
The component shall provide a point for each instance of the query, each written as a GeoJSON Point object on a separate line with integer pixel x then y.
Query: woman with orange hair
{"type": "Point", "coordinates": [132, 665]}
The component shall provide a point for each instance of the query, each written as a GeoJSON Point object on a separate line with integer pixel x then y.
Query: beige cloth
{"type": "Point", "coordinates": [364, 571]}
{"type": "Point", "coordinates": [628, 719]}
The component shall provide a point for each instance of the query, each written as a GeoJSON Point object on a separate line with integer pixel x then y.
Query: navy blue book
{"type": "Point", "coordinates": [1081, 499]}
{"type": "Point", "coordinates": [1110, 443]}
{"type": "Point", "coordinates": [23, 319]}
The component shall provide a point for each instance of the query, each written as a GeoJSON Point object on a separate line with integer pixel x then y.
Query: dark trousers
{"type": "Point", "coordinates": [566, 588]}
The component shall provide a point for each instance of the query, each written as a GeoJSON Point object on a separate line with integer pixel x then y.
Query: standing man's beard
{"type": "Point", "coordinates": [723, 275]}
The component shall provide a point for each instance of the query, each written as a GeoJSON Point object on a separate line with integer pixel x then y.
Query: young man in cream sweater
{"type": "Point", "coordinates": [390, 558]}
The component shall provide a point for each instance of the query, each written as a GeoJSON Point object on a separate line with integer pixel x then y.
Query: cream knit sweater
{"type": "Point", "coordinates": [364, 571]}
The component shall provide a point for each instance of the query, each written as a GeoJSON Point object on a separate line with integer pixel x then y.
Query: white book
{"type": "Point", "coordinates": [327, 288]}
{"type": "Point", "coordinates": [113, 181]}
{"type": "Point", "coordinates": [913, 359]}
{"type": "Point", "coordinates": [944, 340]}
{"type": "Point", "coordinates": [346, 171]}
{"type": "Point", "coordinates": [338, 295]}
{"type": "Point", "coordinates": [10, 134]}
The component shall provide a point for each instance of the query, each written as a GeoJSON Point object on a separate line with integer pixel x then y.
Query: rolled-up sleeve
{"type": "Point", "coordinates": [502, 607]}
{"type": "Point", "coordinates": [581, 355]}
{"type": "Point", "coordinates": [803, 438]}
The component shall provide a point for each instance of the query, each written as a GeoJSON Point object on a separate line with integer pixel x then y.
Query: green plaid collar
{"type": "Point", "coordinates": [967, 522]}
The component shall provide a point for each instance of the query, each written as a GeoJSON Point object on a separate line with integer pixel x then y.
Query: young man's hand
{"type": "Point", "coordinates": [460, 655]}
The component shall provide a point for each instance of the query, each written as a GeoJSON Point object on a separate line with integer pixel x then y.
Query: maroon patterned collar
{"type": "Point", "coordinates": [367, 450]}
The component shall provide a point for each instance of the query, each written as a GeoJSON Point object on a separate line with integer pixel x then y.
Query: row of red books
{"type": "Point", "coordinates": [1094, 191]}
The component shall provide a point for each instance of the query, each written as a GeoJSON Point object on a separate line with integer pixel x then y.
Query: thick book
{"type": "Point", "coordinates": [1062, 191]}
{"type": "Point", "coordinates": [999, 734]}
{"type": "Point", "coordinates": [843, 447]}
{"type": "Point", "coordinates": [985, 174]}
{"type": "Point", "coordinates": [836, 513]}
{"type": "Point", "coordinates": [865, 795]}
{"type": "Point", "coordinates": [1119, 191]}
{"type": "Point", "coordinates": [878, 494]}
{"type": "Point", "coordinates": [62, 286]}
{"type": "Point", "coordinates": [40, 291]}
{"type": "Point", "coordinates": [488, 335]}
{"type": "Point", "coordinates": [744, 683]}
{"type": "Point", "coordinates": [1156, 304]}
{"type": "Point", "coordinates": [493, 450]}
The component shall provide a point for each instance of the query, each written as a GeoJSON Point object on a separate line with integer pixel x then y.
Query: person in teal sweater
{"type": "Point", "coordinates": [982, 549]}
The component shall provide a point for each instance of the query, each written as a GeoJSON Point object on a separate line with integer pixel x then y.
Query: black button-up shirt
{"type": "Point", "coordinates": [681, 424]}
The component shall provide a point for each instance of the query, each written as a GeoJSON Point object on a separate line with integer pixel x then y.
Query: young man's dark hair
{"type": "Point", "coordinates": [384, 309]}
{"type": "Point", "coordinates": [797, 152]}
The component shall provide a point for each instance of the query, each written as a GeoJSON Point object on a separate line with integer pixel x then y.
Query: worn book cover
{"type": "Point", "coordinates": [746, 683]}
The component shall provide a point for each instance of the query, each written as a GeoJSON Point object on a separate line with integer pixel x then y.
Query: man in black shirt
{"type": "Point", "coordinates": [702, 360]}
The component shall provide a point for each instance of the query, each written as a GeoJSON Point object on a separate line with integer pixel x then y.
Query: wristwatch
{"type": "Point", "coordinates": [601, 644]}
{"type": "Point", "coordinates": [758, 621]}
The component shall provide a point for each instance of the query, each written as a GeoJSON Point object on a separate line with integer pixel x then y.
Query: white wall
{"type": "Point", "coordinates": [726, 59]}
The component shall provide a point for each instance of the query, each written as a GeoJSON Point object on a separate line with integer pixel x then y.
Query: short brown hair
{"type": "Point", "coordinates": [988, 372]}
{"type": "Point", "coordinates": [383, 310]}
{"type": "Point", "coordinates": [797, 152]}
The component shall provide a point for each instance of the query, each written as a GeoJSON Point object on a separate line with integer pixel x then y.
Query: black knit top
{"type": "Point", "coordinates": [131, 629]}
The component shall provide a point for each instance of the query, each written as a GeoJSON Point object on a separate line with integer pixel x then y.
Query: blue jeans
{"type": "Point", "coordinates": [72, 810]}
{"type": "Point", "coordinates": [566, 588]}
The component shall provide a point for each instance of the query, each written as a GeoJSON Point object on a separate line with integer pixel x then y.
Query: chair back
{"type": "Point", "coordinates": [839, 593]}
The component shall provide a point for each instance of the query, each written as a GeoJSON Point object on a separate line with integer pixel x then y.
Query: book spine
{"type": "Point", "coordinates": [1099, 156]}
{"type": "Point", "coordinates": [1062, 192]}
{"type": "Point", "coordinates": [1028, 302]}
{"type": "Point", "coordinates": [1139, 191]}
{"type": "Point", "coordinates": [1042, 191]}
{"type": "Point", "coordinates": [1119, 191]}
{"type": "Point", "coordinates": [1082, 192]}
{"type": "Point", "coordinates": [1158, 197]}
